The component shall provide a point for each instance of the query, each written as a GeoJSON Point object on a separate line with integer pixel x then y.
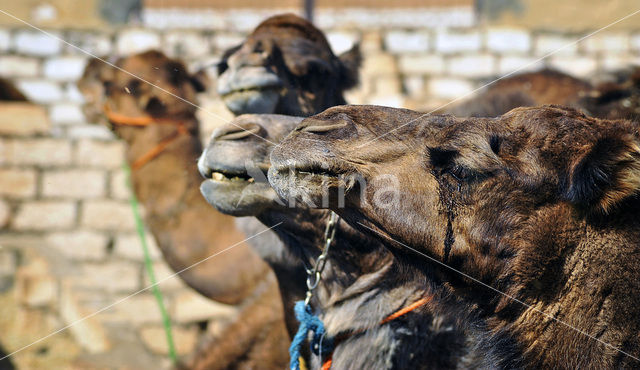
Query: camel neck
{"type": "Point", "coordinates": [170, 175]}
{"type": "Point", "coordinates": [356, 263]}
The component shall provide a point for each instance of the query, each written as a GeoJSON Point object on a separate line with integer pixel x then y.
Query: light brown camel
{"type": "Point", "coordinates": [539, 204]}
{"type": "Point", "coordinates": [619, 98]}
{"type": "Point", "coordinates": [161, 133]}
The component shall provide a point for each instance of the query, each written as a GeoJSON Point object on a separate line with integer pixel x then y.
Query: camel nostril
{"type": "Point", "coordinates": [238, 132]}
{"type": "Point", "coordinates": [320, 126]}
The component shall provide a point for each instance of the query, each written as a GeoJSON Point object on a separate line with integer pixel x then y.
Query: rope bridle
{"type": "Point", "coordinates": [311, 322]}
{"type": "Point", "coordinates": [143, 121]}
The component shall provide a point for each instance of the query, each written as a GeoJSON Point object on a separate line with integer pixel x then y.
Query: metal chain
{"type": "Point", "coordinates": [314, 275]}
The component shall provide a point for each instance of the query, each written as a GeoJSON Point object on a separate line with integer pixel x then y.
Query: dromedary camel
{"type": "Point", "coordinates": [161, 133]}
{"type": "Point", "coordinates": [362, 286]}
{"type": "Point", "coordinates": [539, 204]}
{"type": "Point", "coordinates": [612, 100]}
{"type": "Point", "coordinates": [286, 66]}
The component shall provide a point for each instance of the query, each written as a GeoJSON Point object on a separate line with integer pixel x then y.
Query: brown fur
{"type": "Point", "coordinates": [186, 229]}
{"type": "Point", "coordinates": [362, 283]}
{"type": "Point", "coordinates": [540, 203]}
{"type": "Point", "coordinates": [611, 100]}
{"type": "Point", "coordinates": [296, 59]}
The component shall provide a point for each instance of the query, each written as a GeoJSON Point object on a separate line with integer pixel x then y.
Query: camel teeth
{"type": "Point", "coordinates": [217, 176]}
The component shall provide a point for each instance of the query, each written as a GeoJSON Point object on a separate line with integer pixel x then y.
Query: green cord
{"type": "Point", "coordinates": [166, 320]}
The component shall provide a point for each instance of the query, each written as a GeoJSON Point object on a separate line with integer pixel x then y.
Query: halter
{"type": "Point", "coordinates": [320, 344]}
{"type": "Point", "coordinates": [142, 121]}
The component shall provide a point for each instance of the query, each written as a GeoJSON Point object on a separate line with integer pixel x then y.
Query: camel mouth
{"type": "Point", "coordinates": [237, 192]}
{"type": "Point", "coordinates": [250, 90]}
{"type": "Point", "coordinates": [223, 177]}
{"type": "Point", "coordinates": [310, 170]}
{"type": "Point", "coordinates": [314, 184]}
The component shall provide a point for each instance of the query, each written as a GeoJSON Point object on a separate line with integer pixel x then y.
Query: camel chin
{"type": "Point", "coordinates": [238, 197]}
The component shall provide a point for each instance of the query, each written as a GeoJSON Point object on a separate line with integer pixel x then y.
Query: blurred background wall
{"type": "Point", "coordinates": [67, 240]}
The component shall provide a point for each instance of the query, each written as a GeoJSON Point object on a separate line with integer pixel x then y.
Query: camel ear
{"type": "Point", "coordinates": [350, 62]}
{"type": "Point", "coordinates": [607, 174]}
{"type": "Point", "coordinates": [200, 81]}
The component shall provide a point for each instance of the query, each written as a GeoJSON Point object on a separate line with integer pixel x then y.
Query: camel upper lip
{"type": "Point", "coordinates": [309, 168]}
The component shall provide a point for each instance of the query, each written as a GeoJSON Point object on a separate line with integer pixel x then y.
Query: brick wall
{"type": "Point", "coordinates": [68, 246]}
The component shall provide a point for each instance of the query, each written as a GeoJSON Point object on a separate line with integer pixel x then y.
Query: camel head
{"type": "Point", "coordinates": [413, 173]}
{"type": "Point", "coordinates": [236, 162]}
{"type": "Point", "coordinates": [127, 90]}
{"type": "Point", "coordinates": [285, 66]}
{"type": "Point", "coordinates": [618, 98]}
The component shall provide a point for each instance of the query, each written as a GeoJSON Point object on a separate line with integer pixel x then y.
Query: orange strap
{"type": "Point", "coordinates": [141, 121]}
{"type": "Point", "coordinates": [121, 119]}
{"type": "Point", "coordinates": [158, 149]}
{"type": "Point", "coordinates": [326, 365]}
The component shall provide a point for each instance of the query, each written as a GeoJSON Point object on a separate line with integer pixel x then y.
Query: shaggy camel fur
{"type": "Point", "coordinates": [540, 204]}
{"type": "Point", "coordinates": [185, 227]}
{"type": "Point", "coordinates": [619, 98]}
{"type": "Point", "coordinates": [286, 66]}
{"type": "Point", "coordinates": [362, 283]}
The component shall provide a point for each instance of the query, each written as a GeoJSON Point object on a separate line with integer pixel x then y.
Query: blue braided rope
{"type": "Point", "coordinates": [308, 322]}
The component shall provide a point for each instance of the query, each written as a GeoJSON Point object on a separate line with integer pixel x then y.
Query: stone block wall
{"type": "Point", "coordinates": [67, 242]}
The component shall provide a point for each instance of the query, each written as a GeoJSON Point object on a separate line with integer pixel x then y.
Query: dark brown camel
{"type": "Point", "coordinates": [612, 100]}
{"type": "Point", "coordinates": [540, 203]}
{"type": "Point", "coordinates": [185, 227]}
{"type": "Point", "coordinates": [286, 66]}
{"type": "Point", "coordinates": [362, 284]}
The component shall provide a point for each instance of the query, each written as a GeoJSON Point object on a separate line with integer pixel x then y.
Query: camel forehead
{"type": "Point", "coordinates": [151, 65]}
{"type": "Point", "coordinates": [290, 26]}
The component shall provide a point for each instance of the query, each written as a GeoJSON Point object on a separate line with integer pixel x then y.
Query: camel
{"type": "Point", "coordinates": [539, 204]}
{"type": "Point", "coordinates": [282, 55]}
{"type": "Point", "coordinates": [349, 298]}
{"type": "Point", "coordinates": [161, 133]}
{"type": "Point", "coordinates": [286, 66]}
{"type": "Point", "coordinates": [616, 99]}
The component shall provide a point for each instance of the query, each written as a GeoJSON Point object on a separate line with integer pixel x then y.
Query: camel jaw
{"type": "Point", "coordinates": [250, 90]}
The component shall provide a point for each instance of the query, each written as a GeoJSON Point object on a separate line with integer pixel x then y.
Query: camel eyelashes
{"type": "Point", "coordinates": [442, 158]}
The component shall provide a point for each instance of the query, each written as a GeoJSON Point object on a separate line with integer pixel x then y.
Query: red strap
{"type": "Point", "coordinates": [401, 312]}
